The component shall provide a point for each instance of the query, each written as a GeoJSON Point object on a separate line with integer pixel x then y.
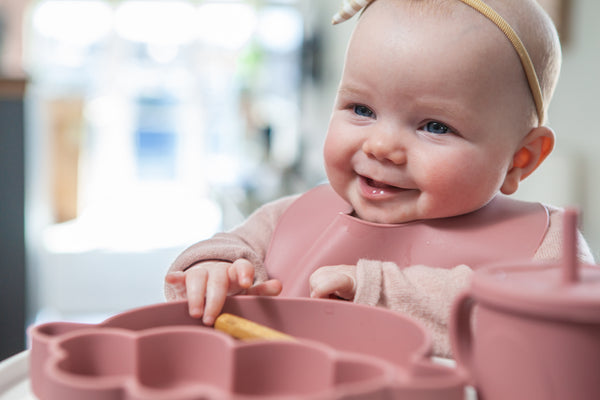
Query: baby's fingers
{"type": "Point", "coordinates": [195, 283]}
{"type": "Point", "coordinates": [241, 275]}
{"type": "Point", "coordinates": [271, 287]}
{"type": "Point", "coordinates": [328, 281]}
{"type": "Point", "coordinates": [216, 293]}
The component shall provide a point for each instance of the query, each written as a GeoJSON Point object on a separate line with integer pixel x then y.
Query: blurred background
{"type": "Point", "coordinates": [131, 129]}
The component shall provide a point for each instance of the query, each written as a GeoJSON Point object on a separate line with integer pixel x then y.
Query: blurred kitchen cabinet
{"type": "Point", "coordinates": [12, 217]}
{"type": "Point", "coordinates": [65, 129]}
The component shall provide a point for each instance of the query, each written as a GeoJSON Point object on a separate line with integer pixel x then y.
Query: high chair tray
{"type": "Point", "coordinates": [14, 378]}
{"type": "Point", "coordinates": [342, 351]}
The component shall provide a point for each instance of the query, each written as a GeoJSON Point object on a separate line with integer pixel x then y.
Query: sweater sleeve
{"type": "Point", "coordinates": [551, 246]}
{"type": "Point", "coordinates": [421, 292]}
{"type": "Point", "coordinates": [250, 240]}
{"type": "Point", "coordinates": [426, 293]}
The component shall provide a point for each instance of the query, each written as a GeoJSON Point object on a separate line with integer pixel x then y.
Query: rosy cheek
{"type": "Point", "coordinates": [334, 152]}
{"type": "Point", "coordinates": [329, 153]}
{"type": "Point", "coordinates": [444, 176]}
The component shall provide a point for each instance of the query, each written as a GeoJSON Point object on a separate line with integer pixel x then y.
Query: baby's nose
{"type": "Point", "coordinates": [385, 146]}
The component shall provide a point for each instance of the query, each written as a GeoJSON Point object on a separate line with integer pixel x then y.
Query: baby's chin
{"type": "Point", "coordinates": [383, 217]}
{"type": "Point", "coordinates": [405, 212]}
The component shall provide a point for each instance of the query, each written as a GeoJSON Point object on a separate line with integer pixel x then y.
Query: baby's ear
{"type": "Point", "coordinates": [534, 149]}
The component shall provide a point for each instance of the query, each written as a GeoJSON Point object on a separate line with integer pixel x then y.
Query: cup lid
{"type": "Point", "coordinates": [539, 290]}
{"type": "Point", "coordinates": [565, 289]}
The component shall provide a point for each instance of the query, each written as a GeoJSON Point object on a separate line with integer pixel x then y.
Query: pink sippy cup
{"type": "Point", "coordinates": [532, 331]}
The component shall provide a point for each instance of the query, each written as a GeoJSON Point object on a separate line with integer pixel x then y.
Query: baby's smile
{"type": "Point", "coordinates": [371, 187]}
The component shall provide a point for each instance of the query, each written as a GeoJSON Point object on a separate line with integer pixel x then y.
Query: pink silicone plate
{"type": "Point", "coordinates": [343, 351]}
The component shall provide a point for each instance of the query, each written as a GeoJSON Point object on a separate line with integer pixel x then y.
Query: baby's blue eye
{"type": "Point", "coordinates": [436, 127]}
{"type": "Point", "coordinates": [363, 111]}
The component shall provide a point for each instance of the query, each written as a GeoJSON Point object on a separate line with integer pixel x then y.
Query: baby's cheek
{"type": "Point", "coordinates": [335, 157]}
{"type": "Point", "coordinates": [451, 190]}
{"type": "Point", "coordinates": [455, 170]}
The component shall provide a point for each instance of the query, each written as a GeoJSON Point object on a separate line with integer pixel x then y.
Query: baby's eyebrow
{"type": "Point", "coordinates": [349, 91]}
{"type": "Point", "coordinates": [448, 109]}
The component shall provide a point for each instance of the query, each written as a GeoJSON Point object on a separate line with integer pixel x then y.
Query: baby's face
{"type": "Point", "coordinates": [427, 118]}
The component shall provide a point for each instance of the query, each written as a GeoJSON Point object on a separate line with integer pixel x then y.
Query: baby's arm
{"type": "Point", "coordinates": [421, 292]}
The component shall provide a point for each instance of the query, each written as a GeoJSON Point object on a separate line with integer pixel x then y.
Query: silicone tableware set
{"type": "Point", "coordinates": [342, 351]}
{"type": "Point", "coordinates": [522, 331]}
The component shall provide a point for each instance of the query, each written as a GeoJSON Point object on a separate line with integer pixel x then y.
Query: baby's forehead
{"type": "Point", "coordinates": [456, 53]}
{"type": "Point", "coordinates": [467, 23]}
{"type": "Point", "coordinates": [452, 24]}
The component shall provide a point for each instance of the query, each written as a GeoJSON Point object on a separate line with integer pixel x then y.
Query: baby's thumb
{"type": "Point", "coordinates": [175, 285]}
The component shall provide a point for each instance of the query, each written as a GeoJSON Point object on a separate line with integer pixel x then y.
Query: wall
{"type": "Point", "coordinates": [577, 105]}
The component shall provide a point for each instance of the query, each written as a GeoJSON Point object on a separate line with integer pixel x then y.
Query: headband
{"type": "Point", "coordinates": [351, 7]}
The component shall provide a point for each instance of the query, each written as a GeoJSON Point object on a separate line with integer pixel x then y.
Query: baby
{"type": "Point", "coordinates": [439, 114]}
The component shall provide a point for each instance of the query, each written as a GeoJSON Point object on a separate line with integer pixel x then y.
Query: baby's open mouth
{"type": "Point", "coordinates": [374, 189]}
{"type": "Point", "coordinates": [380, 185]}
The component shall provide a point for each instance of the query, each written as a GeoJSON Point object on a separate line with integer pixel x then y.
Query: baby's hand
{"type": "Point", "coordinates": [206, 285]}
{"type": "Point", "coordinates": [334, 280]}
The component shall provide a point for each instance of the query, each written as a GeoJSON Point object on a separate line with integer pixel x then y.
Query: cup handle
{"type": "Point", "coordinates": [461, 335]}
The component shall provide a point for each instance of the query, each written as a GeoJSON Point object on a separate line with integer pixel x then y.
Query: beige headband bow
{"type": "Point", "coordinates": [351, 7]}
